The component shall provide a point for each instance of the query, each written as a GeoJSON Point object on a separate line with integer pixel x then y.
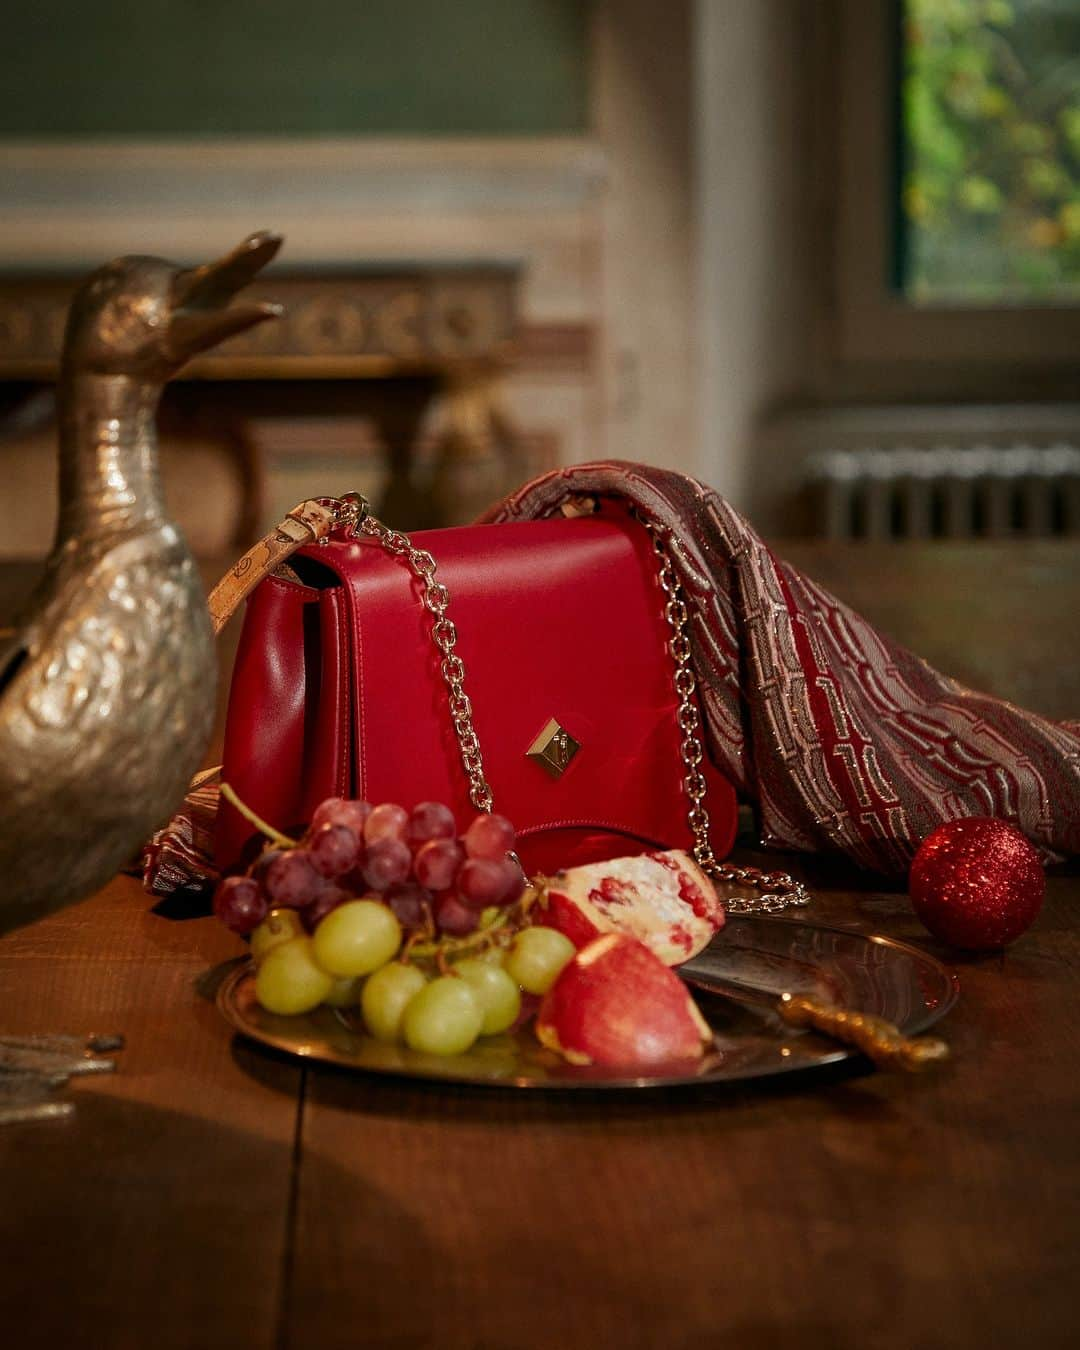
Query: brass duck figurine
{"type": "Point", "coordinates": [107, 681]}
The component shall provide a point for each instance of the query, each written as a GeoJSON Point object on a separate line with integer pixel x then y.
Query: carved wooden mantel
{"type": "Point", "coordinates": [393, 337]}
{"type": "Point", "coordinates": [372, 321]}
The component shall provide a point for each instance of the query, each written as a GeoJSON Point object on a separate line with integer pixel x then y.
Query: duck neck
{"type": "Point", "coordinates": [109, 480]}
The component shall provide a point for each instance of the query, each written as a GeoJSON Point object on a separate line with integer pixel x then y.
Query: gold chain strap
{"type": "Point", "coordinates": [355, 517]}
{"type": "Point", "coordinates": [778, 890]}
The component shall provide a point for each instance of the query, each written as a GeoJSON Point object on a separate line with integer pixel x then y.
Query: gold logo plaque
{"type": "Point", "coordinates": [553, 749]}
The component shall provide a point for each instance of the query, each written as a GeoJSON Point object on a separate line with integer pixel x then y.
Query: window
{"type": "Point", "coordinates": [988, 131]}
{"type": "Point", "coordinates": [954, 199]}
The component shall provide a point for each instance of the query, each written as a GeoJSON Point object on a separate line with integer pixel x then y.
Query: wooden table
{"type": "Point", "coordinates": [211, 1194]}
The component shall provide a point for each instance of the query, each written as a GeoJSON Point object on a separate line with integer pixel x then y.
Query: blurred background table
{"type": "Point", "coordinates": [385, 377]}
{"type": "Point", "coordinates": [214, 1194]}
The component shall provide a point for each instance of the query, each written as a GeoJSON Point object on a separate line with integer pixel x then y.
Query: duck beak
{"type": "Point", "coordinates": [202, 316]}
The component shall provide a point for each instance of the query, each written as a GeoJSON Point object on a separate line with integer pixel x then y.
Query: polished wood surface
{"type": "Point", "coordinates": [211, 1194]}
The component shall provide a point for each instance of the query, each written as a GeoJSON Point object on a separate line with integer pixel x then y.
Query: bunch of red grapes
{"type": "Point", "coordinates": [412, 861]}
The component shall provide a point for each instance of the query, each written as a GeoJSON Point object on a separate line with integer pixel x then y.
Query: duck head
{"type": "Point", "coordinates": [146, 318]}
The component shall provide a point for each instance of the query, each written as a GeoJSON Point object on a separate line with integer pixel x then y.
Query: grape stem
{"type": "Point", "coordinates": [417, 935]}
{"type": "Point", "coordinates": [505, 925]}
{"type": "Point", "coordinates": [275, 836]}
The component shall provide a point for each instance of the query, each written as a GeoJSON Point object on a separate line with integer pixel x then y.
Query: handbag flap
{"type": "Point", "coordinates": [558, 622]}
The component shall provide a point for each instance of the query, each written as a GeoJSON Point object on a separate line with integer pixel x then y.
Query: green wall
{"type": "Point", "coordinates": [71, 68]}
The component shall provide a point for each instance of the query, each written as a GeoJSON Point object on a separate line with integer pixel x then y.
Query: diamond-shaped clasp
{"type": "Point", "coordinates": [553, 749]}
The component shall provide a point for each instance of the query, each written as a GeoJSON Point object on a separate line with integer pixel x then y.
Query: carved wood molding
{"type": "Point", "coordinates": [370, 322]}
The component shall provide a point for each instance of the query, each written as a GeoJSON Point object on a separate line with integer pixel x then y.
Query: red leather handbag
{"type": "Point", "coordinates": [539, 669]}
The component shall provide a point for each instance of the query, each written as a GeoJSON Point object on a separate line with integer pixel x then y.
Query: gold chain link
{"type": "Point", "coordinates": [778, 890]}
{"type": "Point", "coordinates": [444, 636]}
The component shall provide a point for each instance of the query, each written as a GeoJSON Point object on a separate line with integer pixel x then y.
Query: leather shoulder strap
{"type": "Point", "coordinates": [307, 523]}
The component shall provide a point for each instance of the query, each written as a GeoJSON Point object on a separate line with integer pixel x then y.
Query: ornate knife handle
{"type": "Point", "coordinates": [878, 1039]}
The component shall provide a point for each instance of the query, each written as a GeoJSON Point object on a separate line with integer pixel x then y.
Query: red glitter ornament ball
{"type": "Point", "coordinates": [977, 883]}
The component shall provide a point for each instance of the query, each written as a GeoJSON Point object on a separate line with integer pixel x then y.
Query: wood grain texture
{"type": "Point", "coordinates": [843, 1210]}
{"type": "Point", "coordinates": [157, 1215]}
{"type": "Point", "coordinates": [211, 1194]}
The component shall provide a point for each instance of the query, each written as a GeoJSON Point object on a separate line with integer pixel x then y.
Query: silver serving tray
{"type": "Point", "coordinates": [872, 974]}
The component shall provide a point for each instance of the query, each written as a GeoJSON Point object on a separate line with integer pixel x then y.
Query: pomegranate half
{"type": "Point", "coordinates": [616, 1004]}
{"type": "Point", "coordinates": [663, 899]}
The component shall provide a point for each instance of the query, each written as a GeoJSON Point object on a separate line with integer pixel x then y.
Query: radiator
{"type": "Point", "coordinates": [946, 492]}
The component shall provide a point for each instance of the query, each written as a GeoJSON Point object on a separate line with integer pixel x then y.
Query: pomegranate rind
{"type": "Point", "coordinates": [617, 1005]}
{"type": "Point", "coordinates": [663, 899]}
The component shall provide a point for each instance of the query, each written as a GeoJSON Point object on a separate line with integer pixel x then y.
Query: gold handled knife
{"type": "Point", "coordinates": [880, 1040]}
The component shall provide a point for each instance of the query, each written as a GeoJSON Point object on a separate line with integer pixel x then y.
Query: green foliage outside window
{"type": "Point", "coordinates": [990, 107]}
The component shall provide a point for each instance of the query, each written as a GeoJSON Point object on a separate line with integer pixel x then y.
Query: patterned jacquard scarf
{"type": "Point", "coordinates": [845, 741]}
